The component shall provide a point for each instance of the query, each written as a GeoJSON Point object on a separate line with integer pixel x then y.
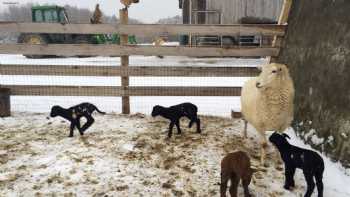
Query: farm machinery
{"type": "Point", "coordinates": [57, 14]}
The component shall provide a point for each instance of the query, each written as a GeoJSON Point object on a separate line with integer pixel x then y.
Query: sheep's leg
{"type": "Point", "coordinates": [170, 132]}
{"type": "Point", "coordinates": [310, 183]}
{"type": "Point", "coordinates": [319, 183]}
{"type": "Point", "coordinates": [245, 128]}
{"type": "Point", "coordinates": [234, 185]}
{"type": "Point", "coordinates": [289, 175]}
{"type": "Point", "coordinates": [263, 147]}
{"type": "Point", "coordinates": [177, 123]}
{"type": "Point", "coordinates": [223, 185]}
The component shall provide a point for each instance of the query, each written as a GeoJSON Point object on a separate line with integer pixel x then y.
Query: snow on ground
{"type": "Point", "coordinates": [207, 105]}
{"type": "Point", "coordinates": [130, 156]}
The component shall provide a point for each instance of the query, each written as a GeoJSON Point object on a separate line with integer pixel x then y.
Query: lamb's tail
{"type": "Point", "coordinates": [101, 112]}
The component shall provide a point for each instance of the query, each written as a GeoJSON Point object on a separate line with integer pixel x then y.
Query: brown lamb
{"type": "Point", "coordinates": [235, 166]}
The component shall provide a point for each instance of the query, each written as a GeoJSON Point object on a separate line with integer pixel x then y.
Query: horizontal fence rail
{"type": "Point", "coordinates": [109, 91]}
{"type": "Point", "coordinates": [144, 29]}
{"type": "Point", "coordinates": [112, 50]}
{"type": "Point", "coordinates": [113, 71]}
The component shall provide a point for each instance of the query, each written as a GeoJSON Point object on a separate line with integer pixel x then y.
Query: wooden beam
{"type": "Point", "coordinates": [35, 90]}
{"type": "Point", "coordinates": [110, 50]}
{"type": "Point", "coordinates": [283, 20]}
{"type": "Point", "coordinates": [124, 60]}
{"type": "Point", "coordinates": [113, 71]}
{"type": "Point", "coordinates": [143, 29]}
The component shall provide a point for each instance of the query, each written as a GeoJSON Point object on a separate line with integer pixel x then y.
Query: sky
{"type": "Point", "coordinates": [147, 11]}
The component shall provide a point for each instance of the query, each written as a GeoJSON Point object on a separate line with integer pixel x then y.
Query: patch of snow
{"type": "Point", "coordinates": [330, 139]}
{"type": "Point", "coordinates": [344, 135]}
{"type": "Point", "coordinates": [334, 178]}
{"type": "Point", "coordinates": [310, 133]}
{"type": "Point", "coordinates": [130, 156]}
{"type": "Point", "coordinates": [316, 140]}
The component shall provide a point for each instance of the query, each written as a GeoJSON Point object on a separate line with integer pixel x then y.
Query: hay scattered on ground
{"type": "Point", "coordinates": [124, 156]}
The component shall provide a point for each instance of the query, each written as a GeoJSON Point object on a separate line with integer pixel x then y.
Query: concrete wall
{"type": "Point", "coordinates": [317, 50]}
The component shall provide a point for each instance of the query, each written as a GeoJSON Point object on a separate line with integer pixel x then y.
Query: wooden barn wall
{"type": "Point", "coordinates": [317, 51]}
{"type": "Point", "coordinates": [233, 10]}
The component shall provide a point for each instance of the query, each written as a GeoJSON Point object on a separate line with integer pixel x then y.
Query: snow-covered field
{"type": "Point", "coordinates": [129, 155]}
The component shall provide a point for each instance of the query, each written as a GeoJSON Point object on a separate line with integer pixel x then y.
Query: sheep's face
{"type": "Point", "coordinates": [271, 76]}
{"type": "Point", "coordinates": [54, 111]}
{"type": "Point", "coordinates": [279, 140]}
{"type": "Point", "coordinates": [156, 110]}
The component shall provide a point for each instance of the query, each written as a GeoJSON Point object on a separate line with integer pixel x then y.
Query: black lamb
{"type": "Point", "coordinates": [174, 113]}
{"type": "Point", "coordinates": [294, 157]}
{"type": "Point", "coordinates": [73, 114]}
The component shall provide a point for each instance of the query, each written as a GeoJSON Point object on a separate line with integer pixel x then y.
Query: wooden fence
{"type": "Point", "coordinates": [124, 50]}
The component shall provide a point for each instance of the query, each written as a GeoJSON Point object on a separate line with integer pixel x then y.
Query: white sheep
{"type": "Point", "coordinates": [267, 102]}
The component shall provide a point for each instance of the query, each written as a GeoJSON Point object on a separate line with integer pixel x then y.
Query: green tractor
{"type": "Point", "coordinates": [57, 14]}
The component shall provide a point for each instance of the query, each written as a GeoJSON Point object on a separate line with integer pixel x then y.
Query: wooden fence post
{"type": "Point", "coordinates": [5, 106]}
{"type": "Point", "coordinates": [277, 41]}
{"type": "Point", "coordinates": [123, 17]}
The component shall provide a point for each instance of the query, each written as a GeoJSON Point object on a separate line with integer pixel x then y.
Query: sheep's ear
{"type": "Point", "coordinates": [285, 135]}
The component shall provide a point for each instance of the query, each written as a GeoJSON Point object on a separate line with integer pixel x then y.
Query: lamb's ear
{"type": "Point", "coordinates": [285, 135]}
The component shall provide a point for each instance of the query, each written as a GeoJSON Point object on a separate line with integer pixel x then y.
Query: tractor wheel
{"type": "Point", "coordinates": [33, 39]}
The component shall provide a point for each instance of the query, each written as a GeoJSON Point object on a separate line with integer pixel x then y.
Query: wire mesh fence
{"type": "Point", "coordinates": [211, 105]}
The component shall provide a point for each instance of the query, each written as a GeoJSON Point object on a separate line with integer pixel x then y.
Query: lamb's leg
{"type": "Point", "coordinates": [245, 183]}
{"type": "Point", "coordinates": [198, 122]}
{"type": "Point", "coordinates": [319, 183]}
{"type": "Point", "coordinates": [289, 175]}
{"type": "Point", "coordinates": [191, 122]}
{"type": "Point", "coordinates": [177, 123]}
{"type": "Point", "coordinates": [245, 128]}
{"type": "Point", "coordinates": [310, 183]}
{"type": "Point", "coordinates": [79, 127]}
{"type": "Point", "coordinates": [72, 125]}
{"type": "Point", "coordinates": [278, 158]}
{"type": "Point", "coordinates": [223, 184]}
{"type": "Point", "coordinates": [234, 185]}
{"type": "Point", "coordinates": [170, 132]}
{"type": "Point", "coordinates": [194, 119]}
{"type": "Point", "coordinates": [90, 121]}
